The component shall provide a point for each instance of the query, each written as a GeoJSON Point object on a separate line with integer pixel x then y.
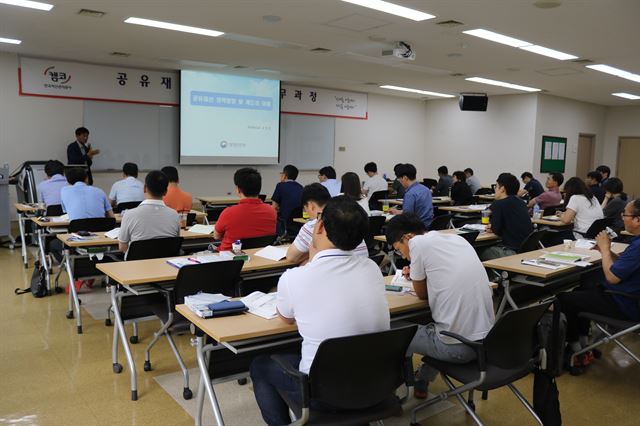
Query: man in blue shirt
{"type": "Point", "coordinates": [286, 197]}
{"type": "Point", "coordinates": [81, 201]}
{"type": "Point", "coordinates": [128, 189]}
{"type": "Point", "coordinates": [621, 273]}
{"type": "Point", "coordinates": [327, 177]}
{"type": "Point", "coordinates": [49, 190]}
{"type": "Point", "coordinates": [417, 197]}
{"type": "Point", "coordinates": [532, 186]}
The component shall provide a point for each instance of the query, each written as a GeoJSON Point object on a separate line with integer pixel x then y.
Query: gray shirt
{"type": "Point", "coordinates": [151, 219]}
{"type": "Point", "coordinates": [474, 183]}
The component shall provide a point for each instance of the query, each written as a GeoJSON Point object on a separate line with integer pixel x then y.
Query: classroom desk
{"type": "Point", "coordinates": [487, 197]}
{"type": "Point", "coordinates": [514, 271]}
{"type": "Point", "coordinates": [463, 209]}
{"type": "Point", "coordinates": [434, 200]}
{"type": "Point", "coordinates": [552, 222]}
{"type": "Point", "coordinates": [626, 233]}
{"type": "Point", "coordinates": [136, 276]}
{"type": "Point", "coordinates": [246, 332]}
{"type": "Point", "coordinates": [25, 212]}
{"type": "Point", "coordinates": [483, 237]}
{"type": "Point", "coordinates": [303, 220]}
{"type": "Point", "coordinates": [223, 200]}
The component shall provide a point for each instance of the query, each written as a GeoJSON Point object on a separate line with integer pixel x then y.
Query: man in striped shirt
{"type": "Point", "coordinates": [314, 198]}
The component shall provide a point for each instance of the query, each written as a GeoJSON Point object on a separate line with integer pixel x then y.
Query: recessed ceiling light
{"type": "Point", "coordinates": [616, 71]}
{"type": "Point", "coordinates": [498, 38]}
{"type": "Point", "coordinates": [174, 27]}
{"type": "Point", "coordinates": [502, 84]}
{"type": "Point", "coordinates": [420, 92]}
{"type": "Point", "coordinates": [627, 96]}
{"type": "Point", "coordinates": [10, 40]}
{"type": "Point", "coordinates": [29, 4]}
{"type": "Point", "coordinates": [548, 52]}
{"type": "Point", "coordinates": [394, 9]}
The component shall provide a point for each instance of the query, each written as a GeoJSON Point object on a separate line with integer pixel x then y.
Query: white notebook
{"type": "Point", "coordinates": [202, 229]}
{"type": "Point", "coordinates": [274, 253]}
{"type": "Point", "coordinates": [261, 304]}
{"type": "Point", "coordinates": [113, 234]}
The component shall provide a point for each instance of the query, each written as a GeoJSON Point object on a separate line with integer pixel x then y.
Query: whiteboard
{"type": "Point", "coordinates": [307, 142]}
{"type": "Point", "coordinates": [147, 135]}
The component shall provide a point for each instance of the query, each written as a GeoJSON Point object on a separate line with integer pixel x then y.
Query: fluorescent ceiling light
{"type": "Point", "coordinates": [420, 92]}
{"type": "Point", "coordinates": [627, 96]}
{"type": "Point", "coordinates": [616, 71]}
{"type": "Point", "coordinates": [10, 41]}
{"type": "Point", "coordinates": [502, 84]}
{"type": "Point", "coordinates": [548, 52]}
{"type": "Point", "coordinates": [498, 38]}
{"type": "Point", "coordinates": [29, 4]}
{"type": "Point", "coordinates": [394, 9]}
{"type": "Point", "coordinates": [174, 27]}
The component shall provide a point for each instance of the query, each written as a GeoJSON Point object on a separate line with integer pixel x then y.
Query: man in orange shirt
{"type": "Point", "coordinates": [250, 217]}
{"type": "Point", "coordinates": [176, 198]}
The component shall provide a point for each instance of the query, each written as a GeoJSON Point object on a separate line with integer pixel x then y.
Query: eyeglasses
{"type": "Point", "coordinates": [628, 215]}
{"type": "Point", "coordinates": [319, 216]}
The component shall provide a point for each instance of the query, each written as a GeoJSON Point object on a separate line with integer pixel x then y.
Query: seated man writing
{"type": "Point", "coordinates": [82, 201]}
{"type": "Point", "coordinates": [446, 271]}
{"type": "Point", "coordinates": [336, 294]}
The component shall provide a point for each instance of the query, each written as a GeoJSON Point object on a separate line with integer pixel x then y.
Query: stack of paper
{"type": "Point", "coordinates": [78, 237]}
{"type": "Point", "coordinates": [261, 304]}
{"type": "Point", "coordinates": [400, 280]}
{"type": "Point", "coordinates": [202, 229]}
{"type": "Point", "coordinates": [198, 303]}
{"type": "Point", "coordinates": [63, 218]}
{"type": "Point", "coordinates": [179, 262]}
{"type": "Point", "coordinates": [274, 253]}
{"type": "Point", "coordinates": [113, 234]}
{"type": "Point", "coordinates": [564, 257]}
{"type": "Point", "coordinates": [585, 244]}
{"type": "Point", "coordinates": [208, 258]}
{"type": "Point", "coordinates": [542, 264]}
{"type": "Point", "coordinates": [478, 206]}
{"type": "Point", "coordinates": [473, 227]}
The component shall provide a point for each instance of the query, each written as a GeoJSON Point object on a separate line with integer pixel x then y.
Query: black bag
{"type": "Point", "coordinates": [38, 282]}
{"type": "Point", "coordinates": [546, 399]}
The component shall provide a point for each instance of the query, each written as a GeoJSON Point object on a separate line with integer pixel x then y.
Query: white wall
{"type": "Point", "coordinates": [620, 122]}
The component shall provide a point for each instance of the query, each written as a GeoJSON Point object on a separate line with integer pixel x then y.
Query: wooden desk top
{"type": "Point", "coordinates": [483, 236]}
{"type": "Point", "coordinates": [223, 200]}
{"type": "Point", "coordinates": [101, 240]}
{"type": "Point", "coordinates": [514, 263]}
{"type": "Point", "coordinates": [38, 221]}
{"type": "Point", "coordinates": [158, 270]}
{"type": "Point", "coordinates": [434, 201]}
{"type": "Point", "coordinates": [28, 208]}
{"type": "Point", "coordinates": [487, 197]}
{"type": "Point", "coordinates": [461, 209]}
{"type": "Point", "coordinates": [626, 233]}
{"type": "Point", "coordinates": [551, 221]}
{"type": "Point", "coordinates": [246, 326]}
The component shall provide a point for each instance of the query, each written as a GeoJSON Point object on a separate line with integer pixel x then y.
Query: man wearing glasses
{"type": "Point", "coordinates": [621, 274]}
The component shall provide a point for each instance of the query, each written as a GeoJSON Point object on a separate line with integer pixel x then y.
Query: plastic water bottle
{"type": "Point", "coordinates": [536, 211]}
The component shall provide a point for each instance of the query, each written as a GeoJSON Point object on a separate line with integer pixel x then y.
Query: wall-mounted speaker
{"type": "Point", "coordinates": [473, 101]}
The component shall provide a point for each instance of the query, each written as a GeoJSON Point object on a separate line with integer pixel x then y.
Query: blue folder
{"type": "Point", "coordinates": [227, 307]}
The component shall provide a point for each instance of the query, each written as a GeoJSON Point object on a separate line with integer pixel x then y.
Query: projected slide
{"type": "Point", "coordinates": [227, 119]}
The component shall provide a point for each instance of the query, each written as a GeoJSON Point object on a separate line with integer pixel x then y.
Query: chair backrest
{"type": "Point", "coordinates": [154, 248]}
{"type": "Point", "coordinates": [214, 277]}
{"type": "Point", "coordinates": [375, 228]}
{"type": "Point", "coordinates": [510, 343]}
{"type": "Point", "coordinates": [262, 197]}
{"type": "Point", "coordinates": [429, 183]}
{"type": "Point", "coordinates": [95, 224]}
{"type": "Point", "coordinates": [357, 372]}
{"type": "Point", "coordinates": [213, 212]}
{"type": "Point", "coordinates": [440, 222]}
{"type": "Point", "coordinates": [551, 210]}
{"type": "Point", "coordinates": [598, 226]}
{"type": "Point", "coordinates": [292, 227]}
{"type": "Point", "coordinates": [126, 206]}
{"type": "Point", "coordinates": [374, 199]}
{"type": "Point", "coordinates": [470, 236]}
{"type": "Point", "coordinates": [484, 191]}
{"type": "Point", "coordinates": [532, 242]}
{"type": "Point", "coordinates": [191, 219]}
{"type": "Point", "coordinates": [257, 242]}
{"type": "Point", "coordinates": [54, 210]}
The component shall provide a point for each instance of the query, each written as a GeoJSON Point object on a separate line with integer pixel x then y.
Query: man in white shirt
{"type": "Point", "coordinates": [152, 218]}
{"type": "Point", "coordinates": [446, 271]}
{"type": "Point", "coordinates": [129, 188]}
{"type": "Point", "coordinates": [336, 294]}
{"type": "Point", "coordinates": [327, 177]}
{"type": "Point", "coordinates": [375, 183]}
{"type": "Point", "coordinates": [472, 180]}
{"type": "Point", "coordinates": [314, 198]}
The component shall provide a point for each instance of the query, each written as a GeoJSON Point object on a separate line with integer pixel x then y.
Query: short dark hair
{"type": "Point", "coordinates": [130, 169]}
{"type": "Point", "coordinates": [595, 176]}
{"type": "Point", "coordinates": [395, 168]}
{"type": "Point", "coordinates": [328, 171]}
{"type": "Point", "coordinates": [291, 171]}
{"type": "Point", "coordinates": [171, 173]}
{"type": "Point", "coordinates": [636, 206]}
{"type": "Point", "coordinates": [526, 175]}
{"type": "Point", "coordinates": [576, 186]}
{"type": "Point", "coordinates": [371, 167]}
{"type": "Point", "coordinates": [557, 177]}
{"type": "Point", "coordinates": [53, 167]}
{"type": "Point", "coordinates": [347, 223]}
{"type": "Point", "coordinates": [469, 170]}
{"type": "Point", "coordinates": [443, 170]}
{"type": "Point", "coordinates": [404, 223]}
{"type": "Point", "coordinates": [248, 180]}
{"type": "Point", "coordinates": [614, 186]}
{"type": "Point", "coordinates": [351, 185]}
{"type": "Point", "coordinates": [317, 193]}
{"type": "Point", "coordinates": [82, 131]}
{"type": "Point", "coordinates": [603, 169]}
{"type": "Point", "coordinates": [407, 170]}
{"type": "Point", "coordinates": [75, 174]}
{"type": "Point", "coordinates": [157, 183]}
{"type": "Point", "coordinates": [509, 182]}
{"type": "Point", "coordinates": [460, 176]}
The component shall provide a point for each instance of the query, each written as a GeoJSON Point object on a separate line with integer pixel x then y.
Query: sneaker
{"type": "Point", "coordinates": [420, 386]}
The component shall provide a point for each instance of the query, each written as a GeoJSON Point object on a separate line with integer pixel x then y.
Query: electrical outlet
{"type": "Point", "coordinates": [342, 148]}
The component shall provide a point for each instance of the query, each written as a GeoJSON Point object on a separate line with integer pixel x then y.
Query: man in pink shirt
{"type": "Point", "coordinates": [551, 197]}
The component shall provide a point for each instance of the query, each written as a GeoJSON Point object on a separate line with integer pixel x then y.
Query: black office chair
{"type": "Point", "coordinates": [126, 206]}
{"type": "Point", "coordinates": [191, 219]}
{"type": "Point", "coordinates": [291, 228]}
{"type": "Point", "coordinates": [262, 197]}
{"type": "Point", "coordinates": [96, 224]}
{"type": "Point", "coordinates": [598, 226]}
{"type": "Point", "coordinates": [550, 211]}
{"type": "Point", "coordinates": [213, 212]}
{"type": "Point", "coordinates": [154, 248]}
{"type": "Point", "coordinates": [54, 210]}
{"type": "Point", "coordinates": [375, 228]}
{"type": "Point", "coordinates": [430, 183]}
{"type": "Point", "coordinates": [355, 375]}
{"type": "Point", "coordinates": [484, 191]}
{"type": "Point", "coordinates": [533, 241]}
{"type": "Point", "coordinates": [440, 222]}
{"type": "Point", "coordinates": [214, 277]}
{"type": "Point", "coordinates": [258, 242]}
{"type": "Point", "coordinates": [504, 356]}
{"type": "Point", "coordinates": [470, 236]}
{"type": "Point", "coordinates": [374, 199]}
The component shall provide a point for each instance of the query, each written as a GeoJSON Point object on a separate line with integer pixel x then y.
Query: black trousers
{"type": "Point", "coordinates": [590, 299]}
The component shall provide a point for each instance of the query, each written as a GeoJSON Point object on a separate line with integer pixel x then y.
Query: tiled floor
{"type": "Point", "coordinates": [49, 375]}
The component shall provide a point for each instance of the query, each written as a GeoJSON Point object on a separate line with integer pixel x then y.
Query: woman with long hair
{"type": "Point", "coordinates": [352, 189]}
{"type": "Point", "coordinates": [582, 207]}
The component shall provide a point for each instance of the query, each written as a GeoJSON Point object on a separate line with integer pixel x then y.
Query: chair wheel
{"type": "Point", "coordinates": [133, 339]}
{"type": "Point", "coordinates": [187, 394]}
{"type": "Point", "coordinates": [242, 382]}
{"type": "Point", "coordinates": [597, 353]}
{"type": "Point", "coordinates": [107, 322]}
{"type": "Point", "coordinates": [117, 368]}
{"type": "Point", "coordinates": [69, 314]}
{"type": "Point", "coordinates": [147, 366]}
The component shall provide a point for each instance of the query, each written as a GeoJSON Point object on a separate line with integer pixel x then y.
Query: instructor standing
{"type": "Point", "coordinates": [79, 152]}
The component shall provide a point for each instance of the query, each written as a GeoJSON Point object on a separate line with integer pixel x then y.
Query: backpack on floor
{"type": "Point", "coordinates": [38, 282]}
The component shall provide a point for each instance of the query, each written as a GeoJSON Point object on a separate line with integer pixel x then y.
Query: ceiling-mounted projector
{"type": "Point", "coordinates": [401, 50]}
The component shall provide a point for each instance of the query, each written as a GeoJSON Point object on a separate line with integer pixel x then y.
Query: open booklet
{"type": "Point", "coordinates": [261, 304]}
{"type": "Point", "coordinates": [202, 229]}
{"type": "Point", "coordinates": [274, 253]}
{"type": "Point", "coordinates": [113, 234]}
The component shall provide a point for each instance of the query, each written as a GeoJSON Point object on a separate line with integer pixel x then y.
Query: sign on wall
{"type": "Point", "coordinates": [553, 154]}
{"type": "Point", "coordinates": [325, 102]}
{"type": "Point", "coordinates": [59, 79]}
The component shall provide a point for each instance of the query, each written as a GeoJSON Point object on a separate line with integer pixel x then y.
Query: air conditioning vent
{"type": "Point", "coordinates": [320, 50]}
{"type": "Point", "coordinates": [449, 23]}
{"type": "Point", "coordinates": [582, 61]}
{"type": "Point", "coordinates": [91, 13]}
{"type": "Point", "coordinates": [240, 67]}
{"type": "Point", "coordinates": [120, 54]}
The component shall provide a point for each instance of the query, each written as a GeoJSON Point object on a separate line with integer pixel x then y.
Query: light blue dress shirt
{"type": "Point", "coordinates": [418, 200]}
{"type": "Point", "coordinates": [333, 185]}
{"type": "Point", "coordinates": [127, 190]}
{"type": "Point", "coordinates": [82, 201]}
{"type": "Point", "coordinates": [49, 190]}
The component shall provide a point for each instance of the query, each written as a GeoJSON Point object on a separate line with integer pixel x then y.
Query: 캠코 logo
{"type": "Point", "coordinates": [59, 79]}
